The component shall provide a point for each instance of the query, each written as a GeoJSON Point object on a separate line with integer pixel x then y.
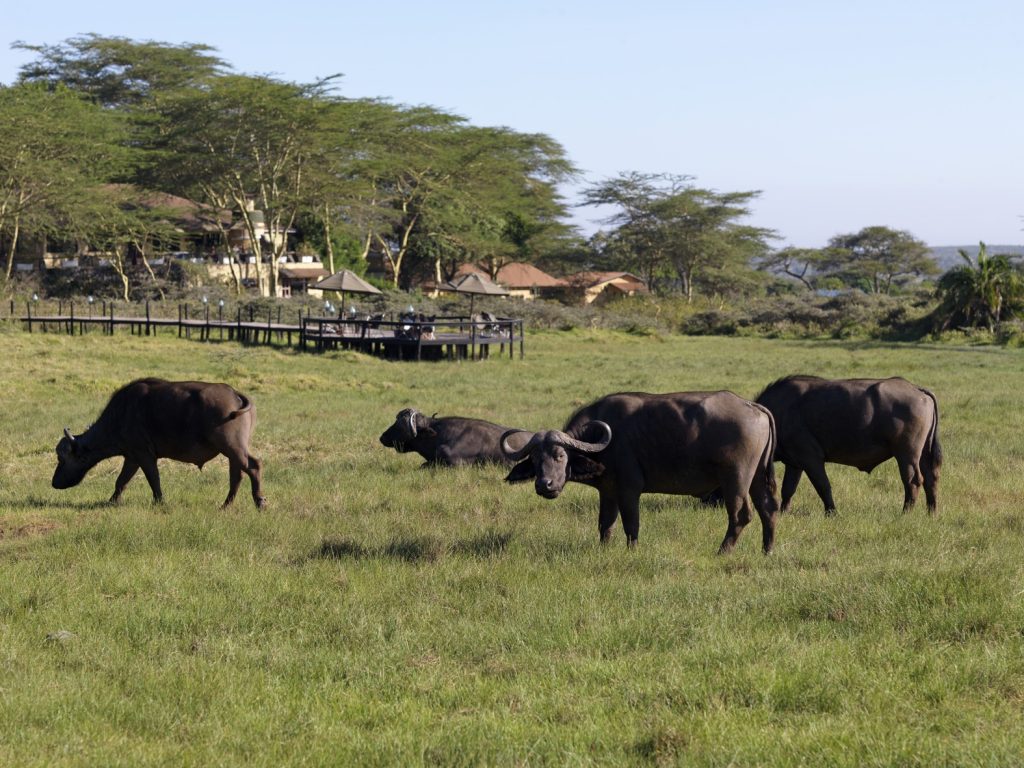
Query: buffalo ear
{"type": "Point", "coordinates": [583, 467]}
{"type": "Point", "coordinates": [521, 472]}
{"type": "Point", "coordinates": [426, 432]}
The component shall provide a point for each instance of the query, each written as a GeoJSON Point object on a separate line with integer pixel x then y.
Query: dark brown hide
{"type": "Point", "coordinates": [685, 443]}
{"type": "Point", "coordinates": [450, 441]}
{"type": "Point", "coordinates": [857, 422]}
{"type": "Point", "coordinates": [151, 419]}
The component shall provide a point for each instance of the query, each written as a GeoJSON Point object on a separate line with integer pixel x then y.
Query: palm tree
{"type": "Point", "coordinates": [981, 292]}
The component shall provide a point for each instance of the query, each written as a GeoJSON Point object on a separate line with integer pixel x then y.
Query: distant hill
{"type": "Point", "coordinates": [948, 256]}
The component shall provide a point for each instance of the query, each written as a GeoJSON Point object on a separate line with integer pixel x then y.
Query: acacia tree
{"type": "Point", "coordinates": [499, 202]}
{"type": "Point", "coordinates": [636, 239]}
{"type": "Point", "coordinates": [348, 162]}
{"type": "Point", "coordinates": [877, 257]}
{"type": "Point", "coordinates": [664, 221]}
{"type": "Point", "coordinates": [54, 147]}
{"type": "Point", "coordinates": [119, 73]}
{"type": "Point", "coordinates": [798, 263]}
{"type": "Point", "coordinates": [246, 141]}
{"type": "Point", "coordinates": [702, 231]}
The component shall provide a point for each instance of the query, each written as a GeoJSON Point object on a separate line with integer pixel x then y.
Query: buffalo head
{"type": "Point", "coordinates": [73, 461]}
{"type": "Point", "coordinates": [553, 458]}
{"type": "Point", "coordinates": [409, 424]}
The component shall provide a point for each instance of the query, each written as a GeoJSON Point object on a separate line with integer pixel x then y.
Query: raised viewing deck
{"type": "Point", "coordinates": [440, 338]}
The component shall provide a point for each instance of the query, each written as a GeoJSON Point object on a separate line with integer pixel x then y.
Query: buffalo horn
{"type": "Point", "coordinates": [522, 452]}
{"type": "Point", "coordinates": [68, 435]}
{"type": "Point", "coordinates": [412, 421]}
{"type": "Point", "coordinates": [579, 445]}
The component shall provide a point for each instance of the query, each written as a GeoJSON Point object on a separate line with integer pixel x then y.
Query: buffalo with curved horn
{"type": "Point", "coordinates": [449, 441]}
{"type": "Point", "coordinates": [684, 443]}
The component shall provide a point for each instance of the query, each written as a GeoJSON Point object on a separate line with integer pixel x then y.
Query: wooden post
{"type": "Point", "coordinates": [111, 318]}
{"type": "Point", "coordinates": [147, 317]}
{"type": "Point", "coordinates": [71, 321]}
{"type": "Point", "coordinates": [28, 306]}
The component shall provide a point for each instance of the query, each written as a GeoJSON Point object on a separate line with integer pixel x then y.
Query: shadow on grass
{"type": "Point", "coordinates": [33, 502]}
{"type": "Point", "coordinates": [414, 549]}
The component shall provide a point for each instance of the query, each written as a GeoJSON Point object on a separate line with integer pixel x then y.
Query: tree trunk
{"type": "Point", "coordinates": [14, 246]}
{"type": "Point", "coordinates": [396, 260]}
{"type": "Point", "coordinates": [686, 276]}
{"type": "Point", "coordinates": [328, 245]}
{"type": "Point", "coordinates": [118, 264]}
{"type": "Point", "coordinates": [152, 274]}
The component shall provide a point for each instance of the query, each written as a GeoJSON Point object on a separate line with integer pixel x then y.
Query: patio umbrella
{"type": "Point", "coordinates": [344, 282]}
{"type": "Point", "coordinates": [475, 285]}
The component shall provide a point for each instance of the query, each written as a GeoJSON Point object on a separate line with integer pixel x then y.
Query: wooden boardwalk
{"type": "Point", "coordinates": [448, 338]}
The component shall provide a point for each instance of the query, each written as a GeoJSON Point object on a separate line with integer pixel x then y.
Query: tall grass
{"type": "Point", "coordinates": [382, 614]}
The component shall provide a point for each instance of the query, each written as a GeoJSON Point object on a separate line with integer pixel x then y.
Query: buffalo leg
{"type": "Point", "coordinates": [737, 504]}
{"type": "Point", "coordinates": [629, 508]}
{"type": "Point", "coordinates": [910, 475]}
{"type": "Point", "coordinates": [931, 482]}
{"type": "Point", "coordinates": [234, 480]}
{"type": "Point", "coordinates": [790, 480]}
{"type": "Point", "coordinates": [254, 469]}
{"type": "Point", "coordinates": [128, 470]}
{"type": "Point", "coordinates": [816, 474]}
{"type": "Point", "coordinates": [607, 516]}
{"type": "Point", "coordinates": [765, 505]}
{"type": "Point", "coordinates": [152, 476]}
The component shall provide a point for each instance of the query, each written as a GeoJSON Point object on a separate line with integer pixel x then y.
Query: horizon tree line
{"type": "Point", "coordinates": [95, 123]}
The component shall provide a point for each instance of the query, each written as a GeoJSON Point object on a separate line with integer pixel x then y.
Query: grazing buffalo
{"type": "Point", "coordinates": [450, 441]}
{"type": "Point", "coordinates": [687, 443]}
{"type": "Point", "coordinates": [150, 419]}
{"type": "Point", "coordinates": [857, 422]}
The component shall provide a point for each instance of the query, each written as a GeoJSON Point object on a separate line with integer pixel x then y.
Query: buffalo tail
{"type": "Point", "coordinates": [934, 447]}
{"type": "Point", "coordinates": [246, 407]}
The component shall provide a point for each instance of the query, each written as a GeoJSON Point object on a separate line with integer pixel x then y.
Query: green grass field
{"type": "Point", "coordinates": [380, 614]}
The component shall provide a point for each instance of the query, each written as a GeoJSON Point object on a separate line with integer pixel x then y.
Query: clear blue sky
{"type": "Point", "coordinates": [900, 113]}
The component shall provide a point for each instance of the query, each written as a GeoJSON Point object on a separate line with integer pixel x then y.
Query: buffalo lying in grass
{"type": "Point", "coordinates": [151, 419]}
{"type": "Point", "coordinates": [449, 441]}
{"type": "Point", "coordinates": [686, 443]}
{"type": "Point", "coordinates": [857, 422]}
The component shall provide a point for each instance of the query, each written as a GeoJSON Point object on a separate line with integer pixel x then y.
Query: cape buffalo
{"type": "Point", "coordinates": [150, 419]}
{"type": "Point", "coordinates": [857, 422]}
{"type": "Point", "coordinates": [450, 441]}
{"type": "Point", "coordinates": [686, 443]}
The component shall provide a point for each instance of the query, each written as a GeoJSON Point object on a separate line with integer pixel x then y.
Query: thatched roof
{"type": "Point", "coordinates": [183, 213]}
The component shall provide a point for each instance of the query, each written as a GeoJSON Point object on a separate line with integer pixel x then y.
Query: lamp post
{"type": "Point", "coordinates": [35, 298]}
